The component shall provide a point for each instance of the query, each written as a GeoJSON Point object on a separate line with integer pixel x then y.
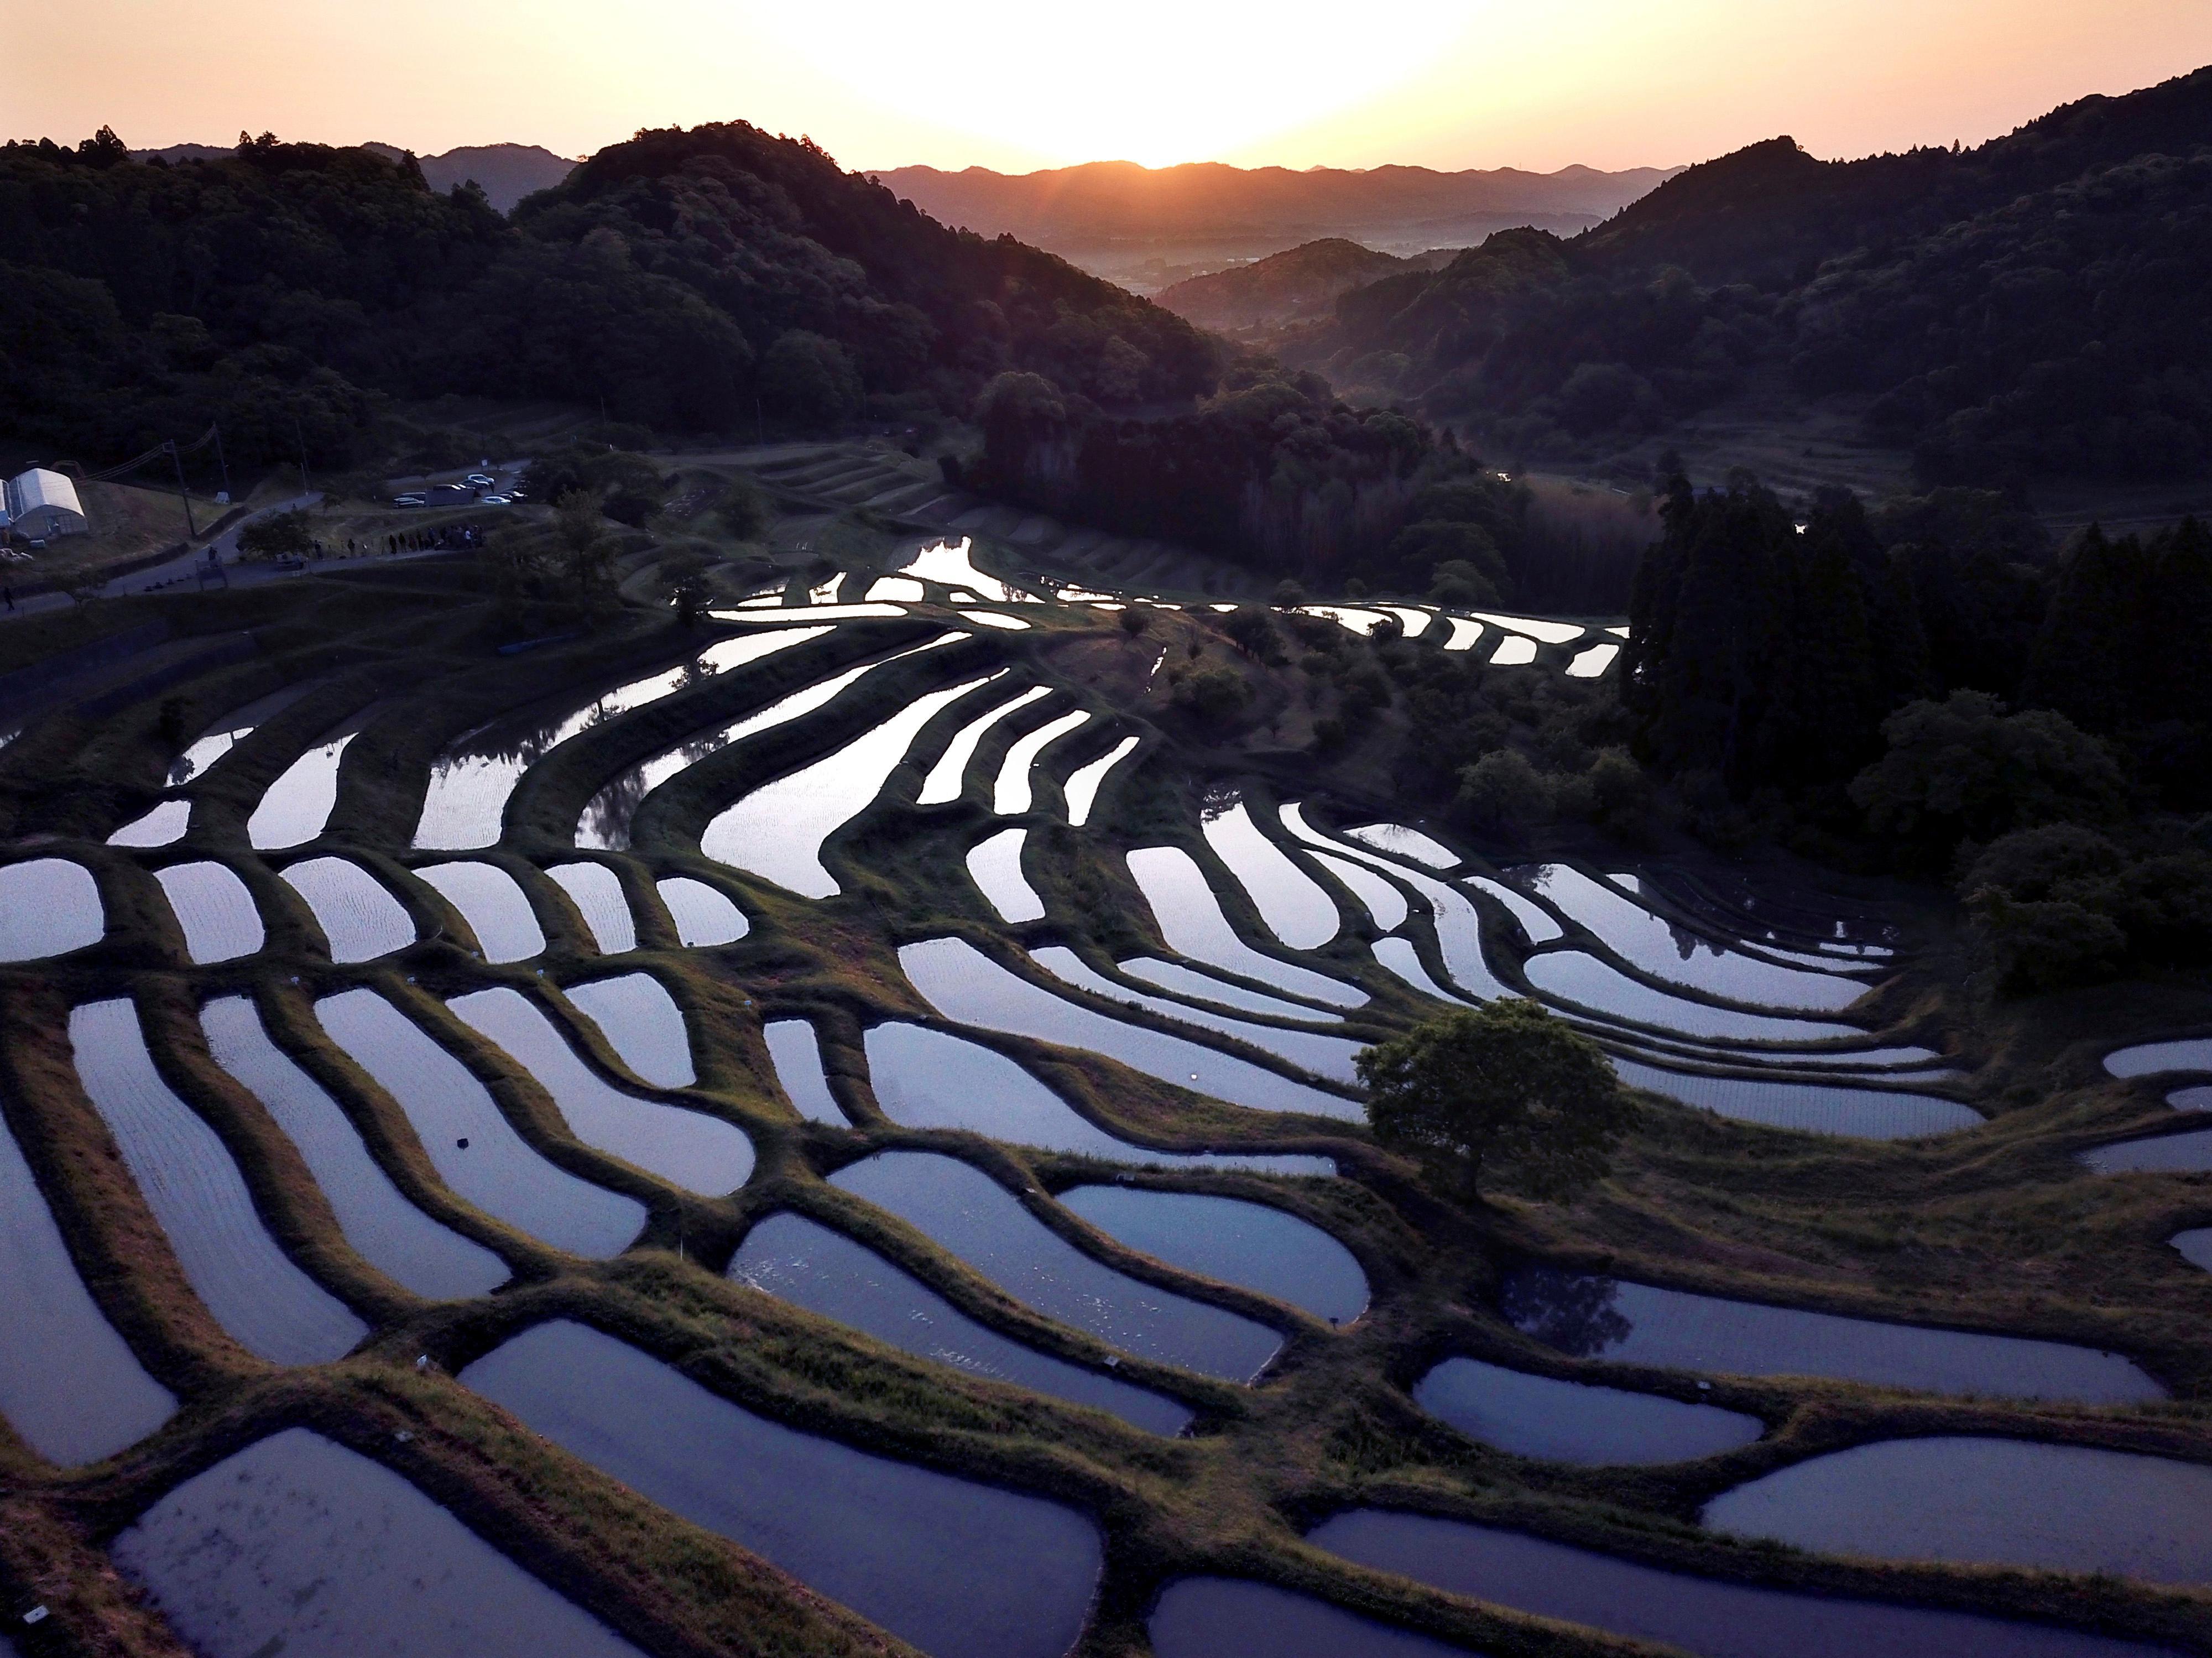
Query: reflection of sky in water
{"type": "Point", "coordinates": [228, 733]}
{"type": "Point", "coordinates": [469, 783]}
{"type": "Point", "coordinates": [948, 563]}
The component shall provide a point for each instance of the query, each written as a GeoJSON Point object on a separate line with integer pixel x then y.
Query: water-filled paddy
{"type": "Point", "coordinates": [472, 781]}
{"type": "Point", "coordinates": [389, 1232]}
{"type": "Point", "coordinates": [1248, 1244]}
{"type": "Point", "coordinates": [803, 1262]}
{"type": "Point", "coordinates": [952, 564]}
{"type": "Point", "coordinates": [1015, 790]}
{"type": "Point", "coordinates": [946, 778]}
{"type": "Point", "coordinates": [1812, 1108]}
{"type": "Point", "coordinates": [2009, 1502]}
{"type": "Point", "coordinates": [1191, 920]}
{"type": "Point", "coordinates": [1324, 1056]}
{"type": "Point", "coordinates": [1562, 1421]}
{"type": "Point", "coordinates": [1406, 842]}
{"type": "Point", "coordinates": [2168, 1154]}
{"type": "Point", "coordinates": [969, 987]}
{"type": "Point", "coordinates": [233, 728]}
{"type": "Point", "coordinates": [493, 905]}
{"type": "Point", "coordinates": [1592, 661]}
{"type": "Point", "coordinates": [777, 831]}
{"type": "Point", "coordinates": [969, 1215]}
{"type": "Point", "coordinates": [1514, 651]}
{"type": "Point", "coordinates": [1291, 902]}
{"type": "Point", "coordinates": [642, 1024]}
{"type": "Point", "coordinates": [192, 1185]}
{"type": "Point", "coordinates": [959, 1569]}
{"type": "Point", "coordinates": [1703, 1615]}
{"type": "Point", "coordinates": [796, 1055]}
{"type": "Point", "coordinates": [164, 825]}
{"type": "Point", "coordinates": [1227, 1618]}
{"type": "Point", "coordinates": [299, 1545]}
{"type": "Point", "coordinates": [1665, 950]}
{"type": "Point", "coordinates": [68, 1384]}
{"type": "Point", "coordinates": [1081, 791]}
{"type": "Point", "coordinates": [597, 892]}
{"type": "Point", "coordinates": [995, 865]}
{"type": "Point", "coordinates": [688, 1149]}
{"type": "Point", "coordinates": [296, 808]}
{"type": "Point", "coordinates": [360, 919]}
{"type": "Point", "coordinates": [1537, 924]}
{"type": "Point", "coordinates": [1640, 1324]}
{"type": "Point", "coordinates": [2148, 1059]}
{"type": "Point", "coordinates": [1192, 986]}
{"type": "Point", "coordinates": [474, 1148]}
{"type": "Point", "coordinates": [214, 909]}
{"type": "Point", "coordinates": [2194, 1246]}
{"type": "Point", "coordinates": [1576, 977]}
{"type": "Point", "coordinates": [1385, 905]}
{"type": "Point", "coordinates": [48, 907]}
{"type": "Point", "coordinates": [706, 917]}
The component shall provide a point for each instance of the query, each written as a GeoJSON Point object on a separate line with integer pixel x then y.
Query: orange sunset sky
{"type": "Point", "coordinates": [993, 82]}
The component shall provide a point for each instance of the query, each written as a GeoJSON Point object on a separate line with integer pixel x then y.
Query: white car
{"type": "Point", "coordinates": [407, 500]}
{"type": "Point", "coordinates": [480, 480]}
{"type": "Point", "coordinates": [495, 501]}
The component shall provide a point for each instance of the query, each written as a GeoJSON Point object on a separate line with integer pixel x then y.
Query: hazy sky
{"type": "Point", "coordinates": [1535, 83]}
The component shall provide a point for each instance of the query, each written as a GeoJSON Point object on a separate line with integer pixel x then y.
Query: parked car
{"type": "Point", "coordinates": [496, 500]}
{"type": "Point", "coordinates": [480, 480]}
{"type": "Point", "coordinates": [407, 500]}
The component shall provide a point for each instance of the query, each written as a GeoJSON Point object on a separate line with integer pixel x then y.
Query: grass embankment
{"type": "Point", "coordinates": [1993, 1229]}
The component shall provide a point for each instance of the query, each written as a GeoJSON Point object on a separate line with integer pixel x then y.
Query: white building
{"type": "Point", "coordinates": [42, 504]}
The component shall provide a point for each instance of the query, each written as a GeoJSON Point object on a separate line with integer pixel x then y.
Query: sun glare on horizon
{"type": "Point", "coordinates": [1142, 83]}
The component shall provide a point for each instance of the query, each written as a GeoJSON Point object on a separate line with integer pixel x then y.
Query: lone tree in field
{"type": "Point", "coordinates": [1506, 1089]}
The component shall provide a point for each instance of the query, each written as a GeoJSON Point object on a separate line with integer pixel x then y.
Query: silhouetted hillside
{"type": "Point", "coordinates": [2033, 304]}
{"type": "Point", "coordinates": [506, 172]}
{"type": "Point", "coordinates": [1293, 286]}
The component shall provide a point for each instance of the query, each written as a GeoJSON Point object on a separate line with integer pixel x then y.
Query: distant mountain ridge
{"type": "Point", "coordinates": [505, 172]}
{"type": "Point", "coordinates": [1121, 199]}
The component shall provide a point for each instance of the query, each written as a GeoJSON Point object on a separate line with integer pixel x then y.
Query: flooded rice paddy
{"type": "Point", "coordinates": [1229, 1618]}
{"type": "Point", "coordinates": [1641, 1324]}
{"type": "Point", "coordinates": [2148, 1059]}
{"type": "Point", "coordinates": [296, 808]}
{"type": "Point", "coordinates": [801, 1261]}
{"type": "Point", "coordinates": [1084, 782]}
{"type": "Point", "coordinates": [360, 919]}
{"type": "Point", "coordinates": [48, 907]}
{"type": "Point", "coordinates": [948, 777]}
{"type": "Point", "coordinates": [493, 904]}
{"type": "Point", "coordinates": [1190, 919]}
{"type": "Point", "coordinates": [1291, 902]}
{"type": "Point", "coordinates": [641, 1023]}
{"type": "Point", "coordinates": [382, 1226]}
{"type": "Point", "coordinates": [1192, 986]}
{"type": "Point", "coordinates": [597, 892]}
{"type": "Point", "coordinates": [471, 1145]}
{"type": "Point", "coordinates": [1248, 1244]}
{"type": "Point", "coordinates": [233, 728]}
{"type": "Point", "coordinates": [1810, 1107]}
{"type": "Point", "coordinates": [796, 1054]}
{"type": "Point", "coordinates": [163, 825]}
{"type": "Point", "coordinates": [1577, 977]}
{"type": "Point", "coordinates": [194, 1186]}
{"type": "Point", "coordinates": [1580, 1422]}
{"type": "Point", "coordinates": [2166, 1154]}
{"type": "Point", "coordinates": [299, 1545]}
{"type": "Point", "coordinates": [958, 1569]}
{"type": "Point", "coordinates": [706, 917]}
{"type": "Point", "coordinates": [214, 909]}
{"type": "Point", "coordinates": [1015, 790]}
{"type": "Point", "coordinates": [1993, 1502]}
{"type": "Point", "coordinates": [970, 1215]}
{"type": "Point", "coordinates": [995, 865]}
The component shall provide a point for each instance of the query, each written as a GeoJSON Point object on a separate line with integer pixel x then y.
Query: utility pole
{"type": "Point", "coordinates": [192, 530]}
{"type": "Point", "coordinates": [302, 439]}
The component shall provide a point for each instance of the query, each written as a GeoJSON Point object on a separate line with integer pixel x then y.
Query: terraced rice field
{"type": "Point", "coordinates": [837, 1131]}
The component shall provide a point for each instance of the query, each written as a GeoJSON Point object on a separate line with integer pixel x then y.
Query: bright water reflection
{"type": "Point", "coordinates": [1190, 920]}
{"type": "Point", "coordinates": [1085, 781]}
{"type": "Point", "coordinates": [1324, 1056]}
{"type": "Point", "coordinates": [359, 919]}
{"type": "Point", "coordinates": [1289, 901]}
{"type": "Point", "coordinates": [214, 909]}
{"type": "Point", "coordinates": [995, 866]}
{"type": "Point", "coordinates": [48, 907]}
{"type": "Point", "coordinates": [642, 1024]}
{"type": "Point", "coordinates": [493, 904]}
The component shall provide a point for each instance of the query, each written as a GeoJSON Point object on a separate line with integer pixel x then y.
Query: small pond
{"type": "Point", "coordinates": [1868, 1114]}
{"type": "Point", "coordinates": [776, 832]}
{"type": "Point", "coordinates": [1704, 1615]}
{"type": "Point", "coordinates": [472, 781]}
{"type": "Point", "coordinates": [2004, 1501]}
{"type": "Point", "coordinates": [1248, 1244]}
{"type": "Point", "coordinates": [1291, 902]}
{"type": "Point", "coordinates": [597, 892]}
{"type": "Point", "coordinates": [493, 905]}
{"type": "Point", "coordinates": [969, 987]}
{"type": "Point", "coordinates": [1577, 977]}
{"type": "Point", "coordinates": [641, 1023]}
{"type": "Point", "coordinates": [1561, 1421]}
{"type": "Point", "coordinates": [797, 1056]}
{"type": "Point", "coordinates": [1324, 1056]}
{"type": "Point", "coordinates": [1083, 783]}
{"type": "Point", "coordinates": [299, 1545]}
{"type": "Point", "coordinates": [995, 866]}
{"type": "Point", "coordinates": [214, 909]}
{"type": "Point", "coordinates": [959, 1569]}
{"type": "Point", "coordinates": [969, 1215]}
{"type": "Point", "coordinates": [360, 919]}
{"type": "Point", "coordinates": [196, 1194]}
{"type": "Point", "coordinates": [164, 825]}
{"type": "Point", "coordinates": [386, 1231]}
{"type": "Point", "coordinates": [1639, 1324]}
{"type": "Point", "coordinates": [69, 1385]}
{"type": "Point", "coordinates": [1229, 1618]}
{"type": "Point", "coordinates": [688, 1149]}
{"type": "Point", "coordinates": [810, 1265]}
{"type": "Point", "coordinates": [474, 1148]}
{"type": "Point", "coordinates": [1015, 790]}
{"type": "Point", "coordinates": [1191, 921]}
{"type": "Point", "coordinates": [949, 775]}
{"type": "Point", "coordinates": [48, 907]}
{"type": "Point", "coordinates": [706, 917]}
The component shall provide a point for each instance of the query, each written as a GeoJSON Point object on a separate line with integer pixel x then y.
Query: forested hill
{"type": "Point", "coordinates": [693, 280]}
{"type": "Point", "coordinates": [2028, 307]}
{"type": "Point", "coordinates": [1298, 283]}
